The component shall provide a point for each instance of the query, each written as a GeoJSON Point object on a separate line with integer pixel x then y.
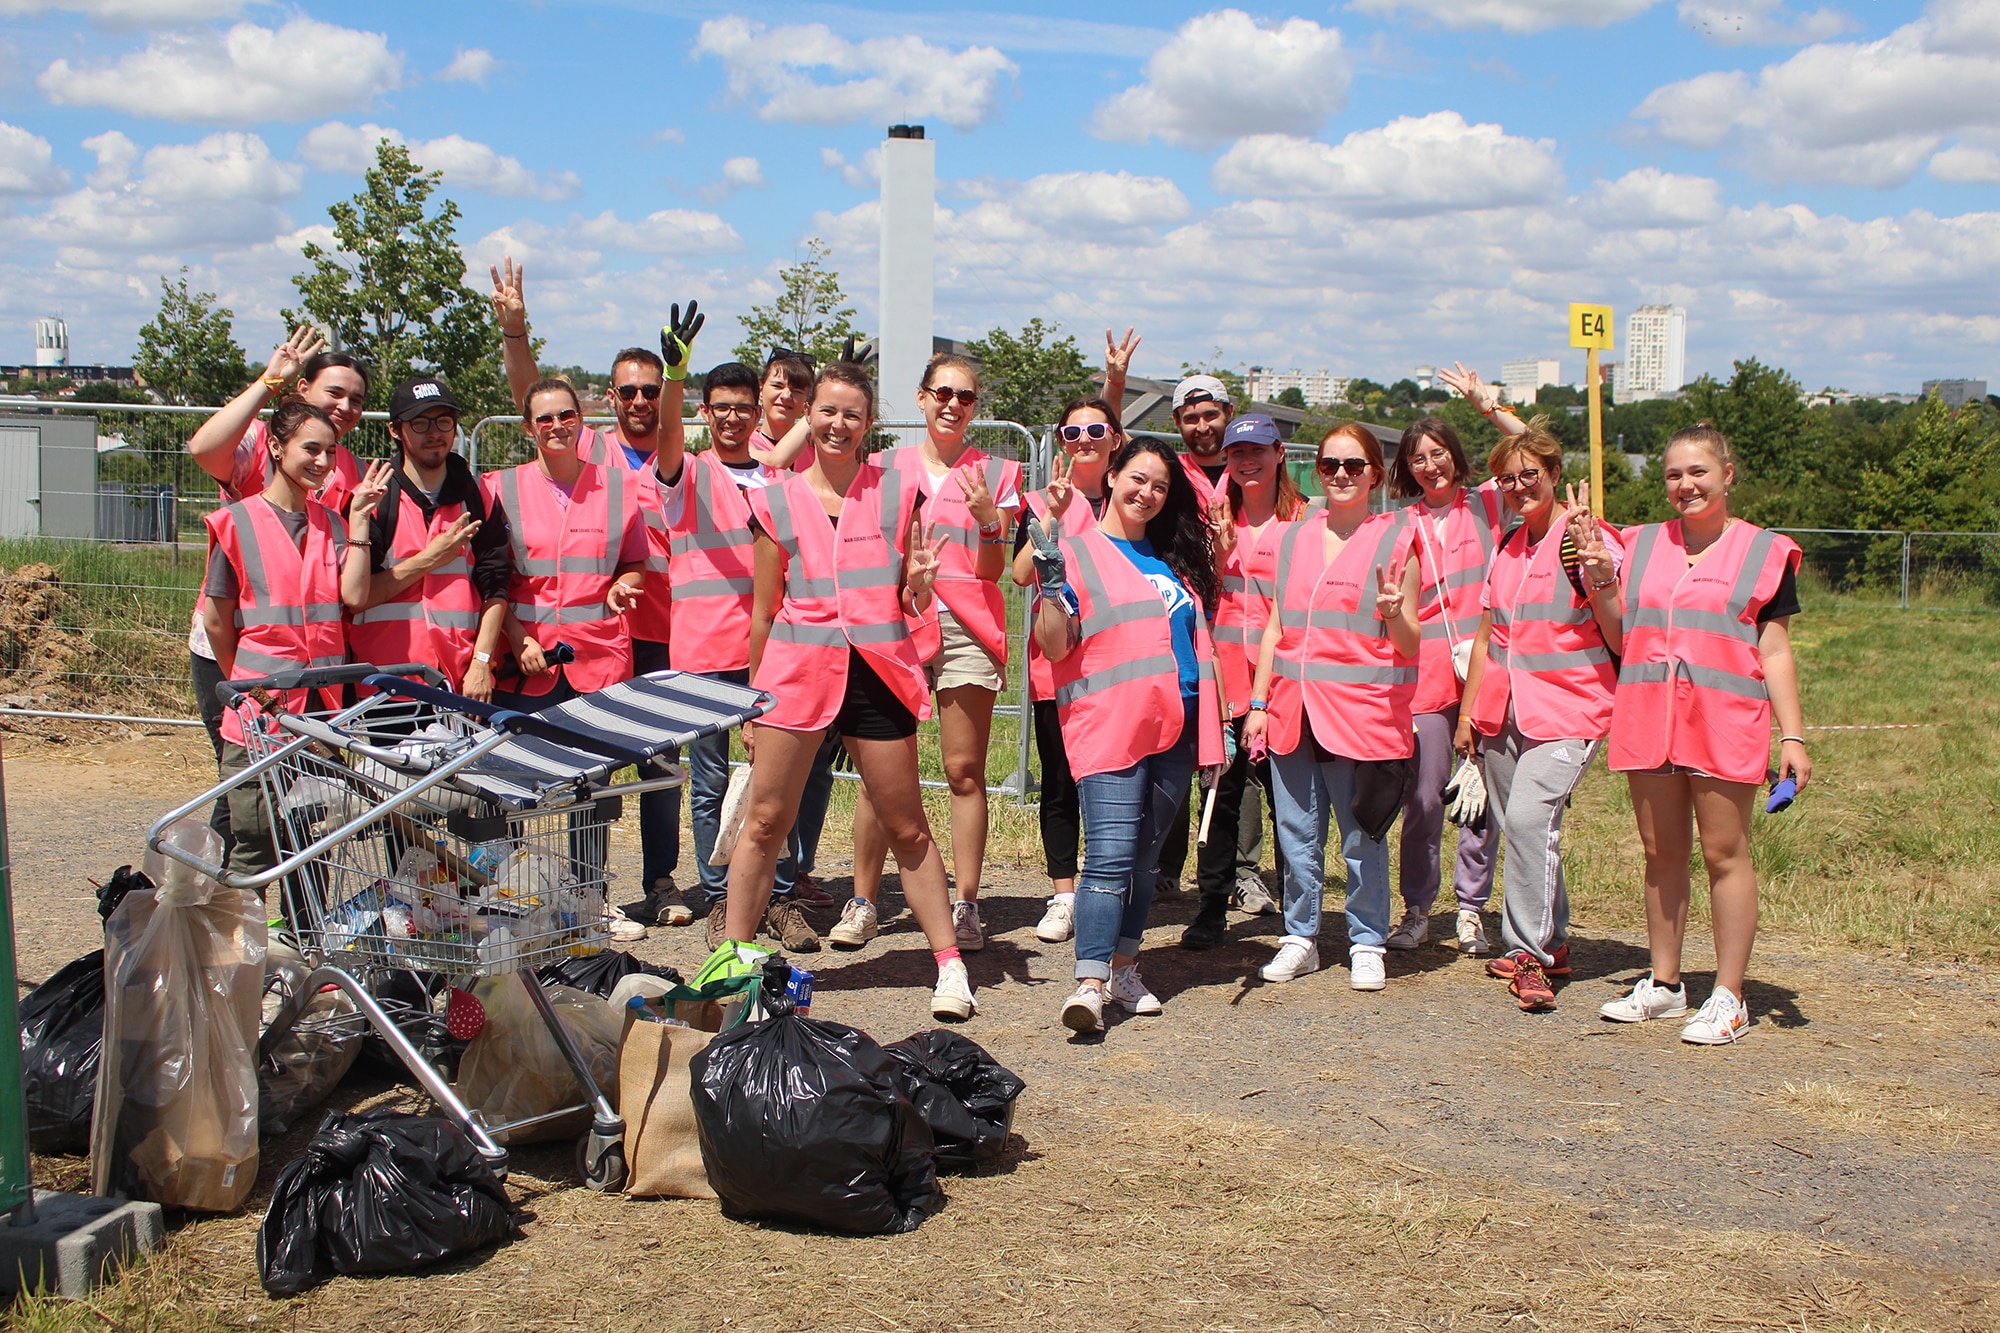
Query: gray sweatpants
{"type": "Point", "coordinates": [1528, 784]}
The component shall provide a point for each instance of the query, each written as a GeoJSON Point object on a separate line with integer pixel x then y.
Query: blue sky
{"type": "Point", "coordinates": [1362, 187]}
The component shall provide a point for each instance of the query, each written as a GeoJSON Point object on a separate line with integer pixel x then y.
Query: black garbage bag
{"type": "Point", "coordinates": [964, 1095]}
{"type": "Point", "coordinates": [62, 1035]}
{"type": "Point", "coordinates": [378, 1193]}
{"type": "Point", "coordinates": [599, 973]}
{"type": "Point", "coordinates": [803, 1120]}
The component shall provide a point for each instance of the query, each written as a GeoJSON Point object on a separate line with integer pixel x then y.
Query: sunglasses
{"type": "Point", "coordinates": [567, 417]}
{"type": "Point", "coordinates": [1333, 467]}
{"type": "Point", "coordinates": [1096, 430]}
{"type": "Point", "coordinates": [965, 397]}
{"type": "Point", "coordinates": [1526, 477]}
{"type": "Point", "coordinates": [630, 391]}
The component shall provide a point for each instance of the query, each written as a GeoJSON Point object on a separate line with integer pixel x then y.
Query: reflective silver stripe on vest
{"type": "Point", "coordinates": [1533, 662]}
{"type": "Point", "coordinates": [1635, 575]}
{"type": "Point", "coordinates": [1104, 613]}
{"type": "Point", "coordinates": [721, 587]}
{"type": "Point", "coordinates": [1235, 583]}
{"type": "Point", "coordinates": [1707, 678]}
{"type": "Point", "coordinates": [711, 541]}
{"type": "Point", "coordinates": [783, 531]}
{"type": "Point", "coordinates": [819, 636]}
{"type": "Point", "coordinates": [1464, 627]}
{"type": "Point", "coordinates": [893, 632]}
{"type": "Point", "coordinates": [1139, 668]}
{"type": "Point", "coordinates": [1329, 673]}
{"type": "Point", "coordinates": [390, 611]}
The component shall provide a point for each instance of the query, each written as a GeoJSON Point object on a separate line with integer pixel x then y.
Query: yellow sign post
{"type": "Point", "coordinates": [1590, 328]}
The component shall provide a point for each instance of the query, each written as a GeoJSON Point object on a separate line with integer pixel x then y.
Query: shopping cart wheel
{"type": "Point", "coordinates": [600, 1160]}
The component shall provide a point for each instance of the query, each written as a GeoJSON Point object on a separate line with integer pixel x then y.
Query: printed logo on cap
{"type": "Point", "coordinates": [427, 389]}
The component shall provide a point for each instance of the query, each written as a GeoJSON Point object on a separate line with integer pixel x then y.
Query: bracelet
{"type": "Point", "coordinates": [1611, 582]}
{"type": "Point", "coordinates": [483, 658]}
{"type": "Point", "coordinates": [991, 531]}
{"type": "Point", "coordinates": [1257, 706]}
{"type": "Point", "coordinates": [273, 384]}
{"type": "Point", "coordinates": [522, 334]}
{"type": "Point", "coordinates": [1800, 739]}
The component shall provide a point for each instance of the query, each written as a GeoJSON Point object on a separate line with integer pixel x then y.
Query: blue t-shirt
{"type": "Point", "coordinates": [1180, 608]}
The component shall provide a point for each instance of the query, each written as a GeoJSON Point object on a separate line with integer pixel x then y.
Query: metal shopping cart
{"type": "Point", "coordinates": [423, 833]}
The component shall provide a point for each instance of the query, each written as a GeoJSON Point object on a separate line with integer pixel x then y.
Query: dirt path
{"type": "Point", "coordinates": [1260, 1156]}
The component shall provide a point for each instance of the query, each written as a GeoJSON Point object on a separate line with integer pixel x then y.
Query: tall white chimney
{"type": "Point", "coordinates": [909, 192]}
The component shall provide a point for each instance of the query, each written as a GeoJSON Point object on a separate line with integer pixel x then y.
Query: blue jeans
{"type": "Point", "coordinates": [659, 811]}
{"type": "Point", "coordinates": [1127, 814]}
{"type": "Point", "coordinates": [708, 781]}
{"type": "Point", "coordinates": [1304, 793]}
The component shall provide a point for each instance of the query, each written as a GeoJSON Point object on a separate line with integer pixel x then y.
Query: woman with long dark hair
{"type": "Point", "coordinates": [1123, 619]}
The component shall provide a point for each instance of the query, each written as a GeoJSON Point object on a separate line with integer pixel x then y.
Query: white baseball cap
{"type": "Point", "coordinates": [1200, 388]}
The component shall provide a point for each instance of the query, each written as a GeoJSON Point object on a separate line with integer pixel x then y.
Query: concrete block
{"type": "Point", "coordinates": [76, 1242]}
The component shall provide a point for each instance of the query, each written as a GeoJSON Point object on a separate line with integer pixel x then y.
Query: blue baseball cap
{"type": "Point", "coordinates": [1252, 428]}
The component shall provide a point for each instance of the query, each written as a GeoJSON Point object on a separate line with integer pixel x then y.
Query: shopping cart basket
{"type": "Point", "coordinates": [425, 832]}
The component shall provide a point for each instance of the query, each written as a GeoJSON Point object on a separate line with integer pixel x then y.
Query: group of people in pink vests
{"type": "Point", "coordinates": [1199, 632]}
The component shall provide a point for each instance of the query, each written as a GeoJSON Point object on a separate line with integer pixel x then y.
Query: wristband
{"type": "Point", "coordinates": [522, 334]}
{"type": "Point", "coordinates": [483, 659]}
{"type": "Point", "coordinates": [273, 384]}
{"type": "Point", "coordinates": [1611, 582]}
{"type": "Point", "coordinates": [1800, 739]}
{"type": "Point", "coordinates": [1257, 706]}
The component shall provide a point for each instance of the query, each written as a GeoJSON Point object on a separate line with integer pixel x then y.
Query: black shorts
{"type": "Point", "coordinates": [871, 711]}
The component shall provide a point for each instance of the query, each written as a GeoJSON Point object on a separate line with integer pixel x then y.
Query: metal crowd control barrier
{"type": "Point", "coordinates": [17, 1195]}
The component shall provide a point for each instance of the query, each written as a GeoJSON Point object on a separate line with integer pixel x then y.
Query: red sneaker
{"type": "Point", "coordinates": [807, 893]}
{"type": "Point", "coordinates": [1503, 966]}
{"type": "Point", "coordinates": [1530, 985]}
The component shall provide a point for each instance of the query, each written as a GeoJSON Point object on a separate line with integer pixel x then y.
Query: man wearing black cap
{"type": "Point", "coordinates": [422, 508]}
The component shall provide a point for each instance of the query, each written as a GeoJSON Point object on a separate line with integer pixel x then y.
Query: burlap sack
{"type": "Point", "coordinates": [662, 1149]}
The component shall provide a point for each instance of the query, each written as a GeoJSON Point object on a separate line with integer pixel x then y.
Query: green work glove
{"type": "Point", "coordinates": [677, 339]}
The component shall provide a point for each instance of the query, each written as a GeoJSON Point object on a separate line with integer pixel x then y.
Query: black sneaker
{"type": "Point", "coordinates": [1210, 925]}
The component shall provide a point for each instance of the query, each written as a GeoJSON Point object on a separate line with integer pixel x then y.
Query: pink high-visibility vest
{"type": "Point", "coordinates": [333, 493]}
{"type": "Point", "coordinates": [1204, 489]}
{"type": "Point", "coordinates": [1452, 558]}
{"type": "Point", "coordinates": [435, 620]}
{"type": "Point", "coordinates": [1336, 668]}
{"type": "Point", "coordinates": [288, 611]}
{"type": "Point", "coordinates": [1545, 654]}
{"type": "Point", "coordinates": [1691, 688]}
{"type": "Point", "coordinates": [713, 563]}
{"type": "Point", "coordinates": [565, 561]}
{"type": "Point", "coordinates": [1249, 583]}
{"type": "Point", "coordinates": [1077, 518]}
{"type": "Point", "coordinates": [1118, 693]}
{"type": "Point", "coordinates": [977, 603]}
{"type": "Point", "coordinates": [843, 587]}
{"type": "Point", "coordinates": [652, 618]}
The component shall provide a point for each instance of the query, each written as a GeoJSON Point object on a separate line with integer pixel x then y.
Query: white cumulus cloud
{"type": "Point", "coordinates": [1967, 165]}
{"type": "Point", "coordinates": [1849, 113]}
{"type": "Point", "coordinates": [221, 193]}
{"type": "Point", "coordinates": [863, 175]}
{"type": "Point", "coordinates": [1512, 15]}
{"type": "Point", "coordinates": [116, 156]}
{"type": "Point", "coordinates": [1649, 197]}
{"type": "Point", "coordinates": [27, 164]}
{"type": "Point", "coordinates": [1091, 201]}
{"type": "Point", "coordinates": [350, 150]}
{"type": "Point", "coordinates": [1224, 75]}
{"type": "Point", "coordinates": [471, 65]}
{"type": "Point", "coordinates": [1760, 22]}
{"type": "Point", "coordinates": [1413, 165]}
{"type": "Point", "coordinates": [300, 71]}
{"type": "Point", "coordinates": [738, 173]}
{"type": "Point", "coordinates": [804, 74]}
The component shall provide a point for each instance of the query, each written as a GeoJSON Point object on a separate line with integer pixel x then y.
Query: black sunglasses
{"type": "Point", "coordinates": [1333, 467]}
{"type": "Point", "coordinates": [965, 397]}
{"type": "Point", "coordinates": [630, 391]}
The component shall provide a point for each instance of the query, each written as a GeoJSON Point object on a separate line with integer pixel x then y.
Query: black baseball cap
{"type": "Point", "coordinates": [413, 398]}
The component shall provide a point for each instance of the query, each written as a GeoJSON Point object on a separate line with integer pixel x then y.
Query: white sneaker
{"type": "Point", "coordinates": [1058, 923]}
{"type": "Point", "coordinates": [857, 924]}
{"type": "Point", "coordinates": [1297, 956]}
{"type": "Point", "coordinates": [952, 997]}
{"type": "Point", "coordinates": [1084, 1011]}
{"type": "Point", "coordinates": [1128, 991]}
{"type": "Point", "coordinates": [1412, 930]}
{"type": "Point", "coordinates": [1471, 932]}
{"type": "Point", "coordinates": [1648, 1000]}
{"type": "Point", "coordinates": [623, 928]}
{"type": "Point", "coordinates": [1252, 897]}
{"type": "Point", "coordinates": [1721, 1021]}
{"type": "Point", "coordinates": [966, 925]}
{"type": "Point", "coordinates": [1368, 970]}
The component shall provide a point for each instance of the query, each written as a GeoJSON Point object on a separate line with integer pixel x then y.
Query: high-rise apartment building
{"type": "Point", "coordinates": [1519, 380]}
{"type": "Point", "coordinates": [1955, 393]}
{"type": "Point", "coordinates": [1321, 388]}
{"type": "Point", "coordinates": [1655, 353]}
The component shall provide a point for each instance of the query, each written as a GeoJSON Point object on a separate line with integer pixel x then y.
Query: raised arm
{"type": "Point", "coordinates": [677, 351]}
{"type": "Point", "coordinates": [510, 308]}
{"type": "Point", "coordinates": [213, 445]}
{"type": "Point", "coordinates": [1117, 364]}
{"type": "Point", "coordinates": [1484, 398]}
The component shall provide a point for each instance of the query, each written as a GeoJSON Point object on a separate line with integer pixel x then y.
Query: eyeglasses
{"type": "Point", "coordinates": [1096, 430]}
{"type": "Point", "coordinates": [965, 397]}
{"type": "Point", "coordinates": [567, 417]}
{"type": "Point", "coordinates": [1526, 477]}
{"type": "Point", "coordinates": [1333, 467]}
{"type": "Point", "coordinates": [425, 425]}
{"type": "Point", "coordinates": [731, 409]}
{"type": "Point", "coordinates": [630, 391]}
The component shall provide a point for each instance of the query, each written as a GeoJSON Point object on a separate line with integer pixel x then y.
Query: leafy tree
{"type": "Point", "coordinates": [1293, 396]}
{"type": "Point", "coordinates": [1434, 395]}
{"type": "Point", "coordinates": [393, 289]}
{"type": "Point", "coordinates": [810, 316]}
{"type": "Point", "coordinates": [119, 393]}
{"type": "Point", "coordinates": [1403, 393]}
{"type": "Point", "coordinates": [188, 352]}
{"type": "Point", "coordinates": [1770, 428]}
{"type": "Point", "coordinates": [1554, 396]}
{"type": "Point", "coordinates": [1029, 376]}
{"type": "Point", "coordinates": [1362, 391]}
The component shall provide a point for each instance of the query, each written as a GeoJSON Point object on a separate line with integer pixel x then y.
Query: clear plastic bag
{"type": "Point", "coordinates": [176, 1115]}
{"type": "Point", "coordinates": [309, 1062]}
{"type": "Point", "coordinates": [514, 1070]}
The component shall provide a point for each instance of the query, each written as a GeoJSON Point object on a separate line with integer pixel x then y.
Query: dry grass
{"type": "Point", "coordinates": [1891, 1108]}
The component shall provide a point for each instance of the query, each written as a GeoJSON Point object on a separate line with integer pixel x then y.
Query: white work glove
{"type": "Point", "coordinates": [1465, 797]}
